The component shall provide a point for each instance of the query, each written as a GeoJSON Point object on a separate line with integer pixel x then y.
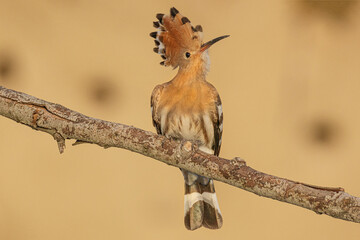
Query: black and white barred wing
{"type": "Point", "coordinates": [154, 103]}
{"type": "Point", "coordinates": [218, 126]}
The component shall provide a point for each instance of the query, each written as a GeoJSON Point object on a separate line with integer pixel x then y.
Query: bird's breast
{"type": "Point", "coordinates": [188, 126]}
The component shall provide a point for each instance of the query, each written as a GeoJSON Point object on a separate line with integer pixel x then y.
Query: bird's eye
{"type": "Point", "coordinates": [187, 54]}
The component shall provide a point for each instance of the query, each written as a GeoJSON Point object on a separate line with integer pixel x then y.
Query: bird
{"type": "Point", "coordinates": [189, 108]}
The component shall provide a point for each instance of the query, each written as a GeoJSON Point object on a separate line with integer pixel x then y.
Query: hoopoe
{"type": "Point", "coordinates": [188, 107]}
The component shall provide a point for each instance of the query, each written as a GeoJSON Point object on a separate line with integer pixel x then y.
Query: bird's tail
{"type": "Point", "coordinates": [201, 207]}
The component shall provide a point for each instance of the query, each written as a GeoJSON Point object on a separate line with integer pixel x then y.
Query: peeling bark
{"type": "Point", "coordinates": [63, 123]}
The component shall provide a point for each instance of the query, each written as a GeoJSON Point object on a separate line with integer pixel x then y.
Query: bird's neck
{"type": "Point", "coordinates": [187, 76]}
{"type": "Point", "coordinates": [191, 72]}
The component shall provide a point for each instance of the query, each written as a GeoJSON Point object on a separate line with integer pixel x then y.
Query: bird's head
{"type": "Point", "coordinates": [180, 44]}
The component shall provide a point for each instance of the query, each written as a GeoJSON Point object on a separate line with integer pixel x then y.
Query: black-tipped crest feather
{"type": "Point", "coordinates": [160, 16]}
{"type": "Point", "coordinates": [199, 28]}
{"type": "Point", "coordinates": [185, 20]}
{"type": "Point", "coordinates": [156, 24]}
{"type": "Point", "coordinates": [153, 34]}
{"type": "Point", "coordinates": [173, 12]}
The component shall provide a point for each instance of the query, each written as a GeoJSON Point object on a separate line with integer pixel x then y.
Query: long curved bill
{"type": "Point", "coordinates": [210, 43]}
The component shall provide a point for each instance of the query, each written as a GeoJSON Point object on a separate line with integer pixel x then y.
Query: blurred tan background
{"type": "Point", "coordinates": [289, 78]}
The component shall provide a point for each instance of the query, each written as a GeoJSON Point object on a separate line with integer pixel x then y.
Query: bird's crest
{"type": "Point", "coordinates": [175, 36]}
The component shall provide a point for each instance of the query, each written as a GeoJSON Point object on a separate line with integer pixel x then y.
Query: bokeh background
{"type": "Point", "coordinates": [289, 78]}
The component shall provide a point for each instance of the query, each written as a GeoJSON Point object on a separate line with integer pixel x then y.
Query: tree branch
{"type": "Point", "coordinates": [63, 123]}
